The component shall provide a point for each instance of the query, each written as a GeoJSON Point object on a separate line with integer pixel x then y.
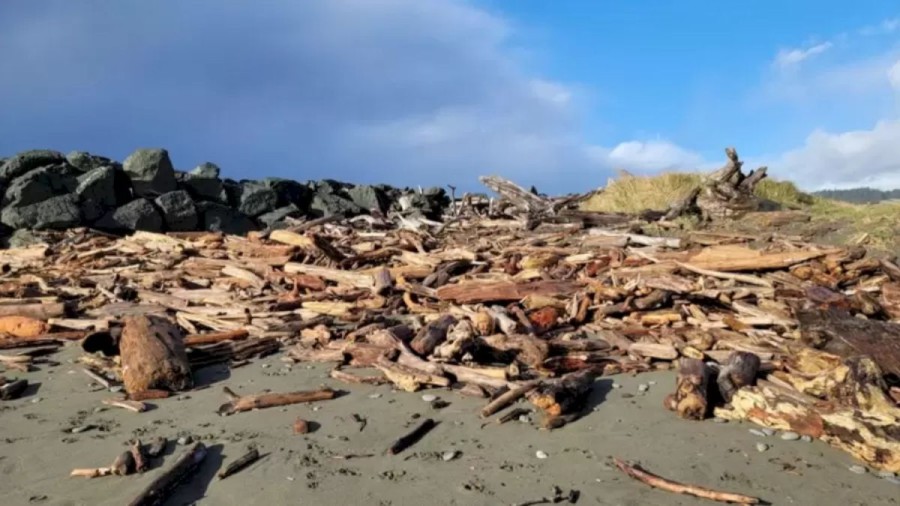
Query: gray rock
{"type": "Point", "coordinates": [56, 212]}
{"type": "Point", "coordinates": [290, 192]}
{"type": "Point", "coordinates": [369, 198]}
{"type": "Point", "coordinates": [232, 190]}
{"type": "Point", "coordinates": [219, 218]}
{"type": "Point", "coordinates": [328, 186]}
{"type": "Point", "coordinates": [790, 436]}
{"type": "Point", "coordinates": [139, 214]}
{"type": "Point", "coordinates": [206, 170]}
{"type": "Point", "coordinates": [26, 161]}
{"type": "Point", "coordinates": [151, 172]}
{"type": "Point", "coordinates": [329, 204]}
{"type": "Point", "coordinates": [40, 184]}
{"type": "Point", "coordinates": [271, 218]}
{"type": "Point", "coordinates": [761, 447]}
{"type": "Point", "coordinates": [257, 198]}
{"type": "Point", "coordinates": [857, 469]}
{"type": "Point", "coordinates": [202, 187]}
{"type": "Point", "coordinates": [769, 432]}
{"type": "Point", "coordinates": [178, 211]}
{"type": "Point", "coordinates": [23, 238]}
{"type": "Point", "coordinates": [102, 190]}
{"type": "Point", "coordinates": [85, 162]}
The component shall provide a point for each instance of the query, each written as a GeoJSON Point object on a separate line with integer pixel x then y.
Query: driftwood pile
{"type": "Point", "coordinates": [535, 304]}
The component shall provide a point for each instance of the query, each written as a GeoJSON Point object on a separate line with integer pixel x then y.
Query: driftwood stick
{"type": "Point", "coordinates": [679, 488]}
{"type": "Point", "coordinates": [163, 486]}
{"type": "Point", "coordinates": [413, 437]}
{"type": "Point", "coordinates": [137, 454]}
{"type": "Point", "coordinates": [135, 406]}
{"type": "Point", "coordinates": [261, 401]}
{"type": "Point", "coordinates": [244, 461]}
{"type": "Point", "coordinates": [94, 472]}
{"type": "Point", "coordinates": [507, 398]}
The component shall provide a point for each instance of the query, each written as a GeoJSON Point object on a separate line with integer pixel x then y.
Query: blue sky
{"type": "Point", "coordinates": [420, 92]}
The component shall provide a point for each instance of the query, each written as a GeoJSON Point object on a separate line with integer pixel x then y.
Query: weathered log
{"type": "Point", "coordinates": [661, 483]}
{"type": "Point", "coordinates": [243, 403]}
{"type": "Point", "coordinates": [508, 397]}
{"type": "Point", "coordinates": [239, 464]}
{"type": "Point", "coordinates": [12, 389]}
{"type": "Point", "coordinates": [408, 378]}
{"type": "Point", "coordinates": [690, 399]}
{"type": "Point", "coordinates": [837, 331]}
{"type": "Point", "coordinates": [528, 350]}
{"type": "Point", "coordinates": [563, 395]}
{"type": "Point", "coordinates": [432, 335]}
{"type": "Point", "coordinates": [22, 326]}
{"type": "Point", "coordinates": [37, 311]}
{"type": "Point", "coordinates": [162, 487]}
{"type": "Point", "coordinates": [740, 371]}
{"type": "Point", "coordinates": [139, 456]}
{"type": "Point", "coordinates": [153, 355]}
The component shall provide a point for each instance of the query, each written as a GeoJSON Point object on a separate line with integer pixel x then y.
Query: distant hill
{"type": "Point", "coordinates": [859, 195]}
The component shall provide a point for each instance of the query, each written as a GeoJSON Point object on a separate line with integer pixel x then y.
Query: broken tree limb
{"type": "Point", "coordinates": [432, 335]}
{"type": "Point", "coordinates": [521, 198]}
{"type": "Point", "coordinates": [412, 437]}
{"type": "Point", "coordinates": [563, 395]}
{"type": "Point", "coordinates": [508, 398]}
{"type": "Point", "coordinates": [243, 403]}
{"type": "Point", "coordinates": [239, 464]}
{"type": "Point", "coordinates": [162, 487]}
{"type": "Point", "coordinates": [661, 483]}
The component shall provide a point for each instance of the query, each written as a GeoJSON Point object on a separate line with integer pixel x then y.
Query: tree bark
{"type": "Point", "coordinates": [691, 397]}
{"type": "Point", "coordinates": [153, 355]}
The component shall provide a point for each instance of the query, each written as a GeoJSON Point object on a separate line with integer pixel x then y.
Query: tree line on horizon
{"type": "Point", "coordinates": [864, 195]}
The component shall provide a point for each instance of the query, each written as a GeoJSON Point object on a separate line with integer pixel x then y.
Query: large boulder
{"type": "Point", "coordinates": [207, 170]}
{"type": "Point", "coordinates": [429, 203]}
{"type": "Point", "coordinates": [40, 184]}
{"type": "Point", "coordinates": [326, 204]}
{"type": "Point", "coordinates": [178, 210]}
{"type": "Point", "coordinates": [202, 187]}
{"type": "Point", "coordinates": [139, 214]}
{"type": "Point", "coordinates": [102, 190]}
{"type": "Point", "coordinates": [232, 190]}
{"type": "Point", "coordinates": [58, 212]}
{"type": "Point", "coordinates": [370, 198]}
{"type": "Point", "coordinates": [151, 172]}
{"type": "Point", "coordinates": [219, 218]}
{"type": "Point", "coordinates": [290, 192]}
{"type": "Point", "coordinates": [85, 162]}
{"type": "Point", "coordinates": [257, 198]}
{"type": "Point", "coordinates": [26, 161]}
{"type": "Point", "coordinates": [271, 218]}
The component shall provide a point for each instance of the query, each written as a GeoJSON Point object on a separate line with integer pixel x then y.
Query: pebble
{"type": "Point", "coordinates": [448, 456]}
{"type": "Point", "coordinates": [265, 366]}
{"type": "Point", "coordinates": [374, 396]}
{"type": "Point", "coordinates": [83, 428]}
{"type": "Point", "coordinates": [761, 447]}
{"type": "Point", "coordinates": [858, 469]}
{"type": "Point", "coordinates": [525, 418]}
{"type": "Point", "coordinates": [185, 440]}
{"type": "Point", "coordinates": [886, 474]}
{"type": "Point", "coordinates": [643, 388]}
{"type": "Point", "coordinates": [429, 398]}
{"type": "Point", "coordinates": [651, 383]}
{"type": "Point", "coordinates": [769, 432]}
{"type": "Point", "coordinates": [807, 439]}
{"type": "Point", "coordinates": [616, 386]}
{"type": "Point", "coordinates": [757, 432]}
{"type": "Point", "coordinates": [116, 389]}
{"type": "Point", "coordinates": [790, 436]}
{"type": "Point", "coordinates": [541, 455]}
{"type": "Point", "coordinates": [36, 400]}
{"type": "Point", "coordinates": [719, 420]}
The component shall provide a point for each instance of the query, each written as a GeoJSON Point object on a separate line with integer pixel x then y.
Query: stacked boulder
{"type": "Point", "coordinates": [44, 189]}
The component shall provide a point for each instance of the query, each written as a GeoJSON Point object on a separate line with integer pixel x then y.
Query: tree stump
{"type": "Point", "coordinates": [153, 355]}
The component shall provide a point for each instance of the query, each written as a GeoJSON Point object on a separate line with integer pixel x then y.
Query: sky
{"type": "Point", "coordinates": [558, 94]}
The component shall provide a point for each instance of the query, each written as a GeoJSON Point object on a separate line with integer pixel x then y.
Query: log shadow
{"type": "Point", "coordinates": [210, 375]}
{"type": "Point", "coordinates": [194, 489]}
{"type": "Point", "coordinates": [599, 390]}
{"type": "Point", "coordinates": [30, 391]}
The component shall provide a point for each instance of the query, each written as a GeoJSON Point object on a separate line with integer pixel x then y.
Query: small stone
{"type": "Point", "coordinates": [289, 478]}
{"type": "Point", "coordinates": [541, 455]}
{"type": "Point", "coordinates": [266, 366]}
{"type": "Point", "coordinates": [719, 420]}
{"type": "Point", "coordinates": [450, 455]}
{"type": "Point", "coordinates": [790, 436]}
{"type": "Point", "coordinates": [761, 447]}
{"type": "Point", "coordinates": [757, 432]}
{"type": "Point", "coordinates": [616, 386]}
{"type": "Point", "coordinates": [525, 419]}
{"type": "Point", "coordinates": [374, 396]}
{"type": "Point", "coordinates": [886, 474]}
{"type": "Point", "coordinates": [769, 432]}
{"type": "Point", "coordinates": [858, 469]}
{"type": "Point", "coordinates": [429, 398]}
{"type": "Point", "coordinates": [807, 439]}
{"type": "Point", "coordinates": [301, 426]}
{"type": "Point", "coordinates": [185, 440]}
{"type": "Point", "coordinates": [83, 428]}
{"type": "Point", "coordinates": [316, 408]}
{"type": "Point", "coordinates": [651, 383]}
{"type": "Point", "coordinates": [643, 388]}
{"type": "Point", "coordinates": [36, 400]}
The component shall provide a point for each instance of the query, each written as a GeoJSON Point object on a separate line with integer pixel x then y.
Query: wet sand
{"type": "Point", "coordinates": [493, 465]}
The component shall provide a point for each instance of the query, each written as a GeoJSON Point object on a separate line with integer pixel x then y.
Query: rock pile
{"type": "Point", "coordinates": [44, 189]}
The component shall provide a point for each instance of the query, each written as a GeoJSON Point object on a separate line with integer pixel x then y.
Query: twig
{"type": "Point", "coordinates": [508, 398]}
{"type": "Point", "coordinates": [679, 488]}
{"type": "Point", "coordinates": [413, 437]}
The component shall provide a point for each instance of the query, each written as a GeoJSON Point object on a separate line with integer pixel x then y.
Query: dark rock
{"type": "Point", "coordinates": [219, 218]}
{"type": "Point", "coordinates": [179, 213]}
{"type": "Point", "coordinates": [139, 214]}
{"type": "Point", "coordinates": [102, 190]}
{"type": "Point", "coordinates": [368, 197]}
{"type": "Point", "coordinates": [257, 198]}
{"type": "Point", "coordinates": [27, 161]}
{"type": "Point", "coordinates": [233, 191]}
{"type": "Point", "coordinates": [151, 172]}
{"type": "Point", "coordinates": [429, 203]}
{"type": "Point", "coordinates": [40, 184]}
{"type": "Point", "coordinates": [271, 218]}
{"type": "Point", "coordinates": [23, 238]}
{"type": "Point", "coordinates": [56, 212]}
{"type": "Point", "coordinates": [84, 161]}
{"type": "Point", "coordinates": [206, 170]}
{"type": "Point", "coordinates": [329, 186]}
{"type": "Point", "coordinates": [202, 188]}
{"type": "Point", "coordinates": [329, 204]}
{"type": "Point", "coordinates": [290, 192]}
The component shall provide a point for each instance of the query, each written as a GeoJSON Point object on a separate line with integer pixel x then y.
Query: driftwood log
{"type": "Point", "coordinates": [691, 397]}
{"type": "Point", "coordinates": [563, 395]}
{"type": "Point", "coordinates": [153, 355]}
{"type": "Point", "coordinates": [162, 487]}
{"type": "Point", "coordinates": [740, 371]}
{"type": "Point", "coordinates": [243, 403]}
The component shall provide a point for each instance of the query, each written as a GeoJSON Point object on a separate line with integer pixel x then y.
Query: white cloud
{"type": "Point", "coordinates": [887, 26]}
{"type": "Point", "coordinates": [646, 157]}
{"type": "Point", "coordinates": [790, 57]}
